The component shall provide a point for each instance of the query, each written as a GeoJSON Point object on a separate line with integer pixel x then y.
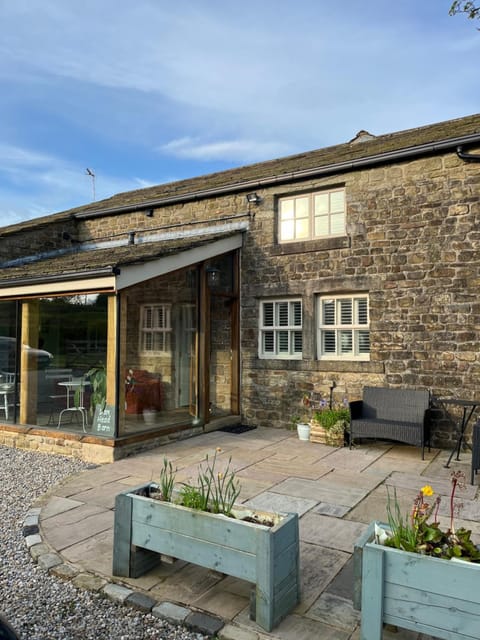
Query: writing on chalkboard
{"type": "Point", "coordinates": [104, 420]}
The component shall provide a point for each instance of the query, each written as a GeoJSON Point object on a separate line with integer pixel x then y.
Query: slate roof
{"type": "Point", "coordinates": [109, 259]}
{"type": "Point", "coordinates": [365, 147]}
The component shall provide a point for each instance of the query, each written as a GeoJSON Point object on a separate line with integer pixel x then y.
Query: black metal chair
{"type": "Point", "coordinates": [475, 450]}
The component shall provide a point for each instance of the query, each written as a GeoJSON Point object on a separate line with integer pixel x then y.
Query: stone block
{"type": "Point", "coordinates": [171, 612]}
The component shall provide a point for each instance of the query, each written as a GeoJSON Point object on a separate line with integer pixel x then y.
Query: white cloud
{"type": "Point", "coordinates": [168, 89]}
{"type": "Point", "coordinates": [234, 150]}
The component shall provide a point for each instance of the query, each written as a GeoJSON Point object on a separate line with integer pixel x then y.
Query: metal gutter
{"type": "Point", "coordinates": [292, 176]}
{"type": "Point", "coordinates": [468, 157]}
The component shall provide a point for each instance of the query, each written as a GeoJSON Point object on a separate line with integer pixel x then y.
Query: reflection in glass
{"type": "Point", "coordinates": [159, 370]}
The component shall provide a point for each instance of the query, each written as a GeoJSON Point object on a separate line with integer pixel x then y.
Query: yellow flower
{"type": "Point", "coordinates": [427, 490]}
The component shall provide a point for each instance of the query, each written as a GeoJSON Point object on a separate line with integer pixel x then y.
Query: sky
{"type": "Point", "coordinates": [153, 91]}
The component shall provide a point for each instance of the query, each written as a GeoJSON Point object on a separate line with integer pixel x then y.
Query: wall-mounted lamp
{"type": "Point", "coordinates": [149, 213]}
{"type": "Point", "coordinates": [253, 198]}
{"type": "Point", "coordinates": [213, 277]}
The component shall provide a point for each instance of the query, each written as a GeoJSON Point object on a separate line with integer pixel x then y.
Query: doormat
{"type": "Point", "coordinates": [239, 428]}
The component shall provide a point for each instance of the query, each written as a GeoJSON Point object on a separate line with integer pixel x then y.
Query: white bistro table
{"type": "Point", "coordinates": [71, 386]}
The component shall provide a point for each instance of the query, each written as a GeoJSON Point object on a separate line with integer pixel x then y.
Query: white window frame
{"type": "Point", "coordinates": [344, 336]}
{"type": "Point", "coordinates": [159, 328]}
{"type": "Point", "coordinates": [281, 329]}
{"type": "Point", "coordinates": [308, 222]}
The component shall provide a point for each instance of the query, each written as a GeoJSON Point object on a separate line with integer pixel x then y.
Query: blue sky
{"type": "Point", "coordinates": [153, 91]}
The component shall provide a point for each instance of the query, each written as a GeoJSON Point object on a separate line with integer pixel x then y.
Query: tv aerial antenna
{"type": "Point", "coordinates": [89, 172]}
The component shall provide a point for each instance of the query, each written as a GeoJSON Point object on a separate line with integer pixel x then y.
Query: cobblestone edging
{"type": "Point", "coordinates": [196, 620]}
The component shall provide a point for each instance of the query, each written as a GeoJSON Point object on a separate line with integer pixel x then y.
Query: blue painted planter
{"type": "Point", "coordinates": [420, 593]}
{"type": "Point", "coordinates": [267, 556]}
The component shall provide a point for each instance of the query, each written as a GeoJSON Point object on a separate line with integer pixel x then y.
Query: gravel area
{"type": "Point", "coordinates": [40, 606]}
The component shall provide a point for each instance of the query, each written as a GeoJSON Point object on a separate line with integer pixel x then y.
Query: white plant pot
{"type": "Point", "coordinates": [149, 416]}
{"type": "Point", "coordinates": [303, 430]}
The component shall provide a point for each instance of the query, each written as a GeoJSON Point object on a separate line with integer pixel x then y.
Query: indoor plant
{"type": "Point", "coordinates": [412, 574]}
{"type": "Point", "coordinates": [330, 422]}
{"type": "Point", "coordinates": [152, 519]}
{"type": "Point", "coordinates": [98, 379]}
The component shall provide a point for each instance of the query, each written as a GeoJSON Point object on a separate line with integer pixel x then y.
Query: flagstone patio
{"type": "Point", "coordinates": [336, 492]}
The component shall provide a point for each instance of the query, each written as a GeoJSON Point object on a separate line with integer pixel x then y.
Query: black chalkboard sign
{"type": "Point", "coordinates": [104, 420]}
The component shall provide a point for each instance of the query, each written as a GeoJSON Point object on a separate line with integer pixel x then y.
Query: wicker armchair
{"type": "Point", "coordinates": [391, 414]}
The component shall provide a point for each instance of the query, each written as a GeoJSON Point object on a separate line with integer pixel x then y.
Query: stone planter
{"type": "Point", "coordinates": [424, 594]}
{"type": "Point", "coordinates": [303, 431]}
{"type": "Point", "coordinates": [331, 437]}
{"type": "Point", "coordinates": [267, 556]}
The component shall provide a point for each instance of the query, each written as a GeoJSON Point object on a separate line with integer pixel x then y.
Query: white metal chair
{"type": "Point", "coordinates": [7, 388]}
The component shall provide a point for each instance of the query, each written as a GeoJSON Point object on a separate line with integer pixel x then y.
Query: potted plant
{"type": "Point", "coordinates": [202, 524]}
{"type": "Point", "coordinates": [303, 421]}
{"type": "Point", "coordinates": [412, 574]}
{"type": "Point", "coordinates": [330, 422]}
{"type": "Point", "coordinates": [98, 380]}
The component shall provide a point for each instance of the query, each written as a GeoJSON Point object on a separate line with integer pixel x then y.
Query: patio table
{"type": "Point", "coordinates": [71, 386]}
{"type": "Point", "coordinates": [468, 409]}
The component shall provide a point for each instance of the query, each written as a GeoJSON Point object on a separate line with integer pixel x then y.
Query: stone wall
{"type": "Point", "coordinates": [412, 243]}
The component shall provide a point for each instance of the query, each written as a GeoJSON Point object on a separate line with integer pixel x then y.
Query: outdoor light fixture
{"type": "Point", "coordinates": [253, 198]}
{"type": "Point", "coordinates": [149, 213]}
{"type": "Point", "coordinates": [213, 277]}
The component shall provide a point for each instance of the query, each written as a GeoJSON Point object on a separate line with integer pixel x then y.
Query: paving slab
{"type": "Point", "coordinates": [62, 534]}
{"type": "Point", "coordinates": [102, 495]}
{"type": "Point", "coordinates": [441, 486]}
{"type": "Point", "coordinates": [296, 627]}
{"type": "Point", "coordinates": [282, 503]}
{"type": "Point", "coordinates": [185, 586]}
{"type": "Point", "coordinates": [331, 533]}
{"type": "Point", "coordinates": [57, 505]}
{"type": "Point", "coordinates": [318, 567]}
{"type": "Point", "coordinates": [343, 478]}
{"type": "Point", "coordinates": [221, 602]}
{"type": "Point", "coordinates": [322, 491]}
{"type": "Point", "coordinates": [362, 459]}
{"type": "Point", "coordinates": [297, 468]}
{"type": "Point", "coordinates": [93, 554]}
{"type": "Point", "coordinates": [335, 611]}
{"type": "Point", "coordinates": [342, 584]}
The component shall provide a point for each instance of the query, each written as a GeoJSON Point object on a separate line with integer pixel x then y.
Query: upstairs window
{"type": "Point", "coordinates": [280, 333]}
{"type": "Point", "coordinates": [343, 327]}
{"type": "Point", "coordinates": [155, 328]}
{"type": "Point", "coordinates": [311, 216]}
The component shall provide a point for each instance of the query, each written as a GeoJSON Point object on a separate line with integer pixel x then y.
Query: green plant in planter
{"type": "Point", "coordinates": [167, 480]}
{"type": "Point", "coordinates": [332, 415]}
{"type": "Point", "coordinates": [334, 420]}
{"type": "Point", "coordinates": [420, 532]}
{"type": "Point", "coordinates": [215, 491]}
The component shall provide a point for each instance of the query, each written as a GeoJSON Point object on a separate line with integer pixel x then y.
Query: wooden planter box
{"type": "Point", "coordinates": [325, 436]}
{"type": "Point", "coordinates": [416, 592]}
{"type": "Point", "coordinates": [267, 556]}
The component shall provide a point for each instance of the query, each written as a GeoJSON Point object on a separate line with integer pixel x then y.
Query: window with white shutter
{"type": "Point", "coordinates": [155, 328]}
{"type": "Point", "coordinates": [343, 327]}
{"type": "Point", "coordinates": [280, 334]}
